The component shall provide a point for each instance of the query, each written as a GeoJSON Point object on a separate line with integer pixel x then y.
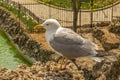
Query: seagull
{"type": "Point", "coordinates": [66, 42]}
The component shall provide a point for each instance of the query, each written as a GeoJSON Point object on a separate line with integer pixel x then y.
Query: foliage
{"type": "Point", "coordinates": [59, 3]}
{"type": "Point", "coordinates": [47, 1]}
{"type": "Point", "coordinates": [85, 4]}
{"type": "Point", "coordinates": [27, 20]}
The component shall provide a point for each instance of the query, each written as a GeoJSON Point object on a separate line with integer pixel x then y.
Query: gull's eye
{"type": "Point", "coordinates": [47, 24]}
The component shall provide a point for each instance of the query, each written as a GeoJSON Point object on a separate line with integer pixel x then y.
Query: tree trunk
{"type": "Point", "coordinates": [91, 20]}
{"type": "Point", "coordinates": [75, 18]}
{"type": "Point", "coordinates": [76, 7]}
{"type": "Point", "coordinates": [75, 15]}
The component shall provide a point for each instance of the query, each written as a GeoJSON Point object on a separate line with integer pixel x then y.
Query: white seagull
{"type": "Point", "coordinates": [66, 42]}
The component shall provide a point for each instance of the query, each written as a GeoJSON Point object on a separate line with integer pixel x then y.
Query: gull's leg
{"type": "Point", "coordinates": [58, 59]}
{"type": "Point", "coordinates": [61, 64]}
{"type": "Point", "coordinates": [61, 61]}
{"type": "Point", "coordinates": [73, 61]}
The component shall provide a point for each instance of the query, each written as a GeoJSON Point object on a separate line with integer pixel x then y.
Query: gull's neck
{"type": "Point", "coordinates": [49, 33]}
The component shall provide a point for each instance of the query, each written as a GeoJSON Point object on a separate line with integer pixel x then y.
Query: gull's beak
{"type": "Point", "coordinates": [39, 28]}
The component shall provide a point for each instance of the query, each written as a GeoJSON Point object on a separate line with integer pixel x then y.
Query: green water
{"type": "Point", "coordinates": [7, 57]}
{"type": "Point", "coordinates": [10, 57]}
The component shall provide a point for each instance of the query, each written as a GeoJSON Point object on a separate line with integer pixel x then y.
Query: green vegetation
{"type": "Point", "coordinates": [10, 56]}
{"type": "Point", "coordinates": [59, 3]}
{"type": "Point", "coordinates": [85, 4]}
{"type": "Point", "coordinates": [97, 3]}
{"type": "Point", "coordinates": [20, 15]}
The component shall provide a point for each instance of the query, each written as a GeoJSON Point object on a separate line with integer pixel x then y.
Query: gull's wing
{"type": "Point", "coordinates": [71, 45]}
{"type": "Point", "coordinates": [68, 37]}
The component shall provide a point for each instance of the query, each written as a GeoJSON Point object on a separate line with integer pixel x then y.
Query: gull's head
{"type": "Point", "coordinates": [50, 24]}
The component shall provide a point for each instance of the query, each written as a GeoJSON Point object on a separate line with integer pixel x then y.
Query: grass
{"type": "Point", "coordinates": [84, 5]}
{"type": "Point", "coordinates": [20, 15]}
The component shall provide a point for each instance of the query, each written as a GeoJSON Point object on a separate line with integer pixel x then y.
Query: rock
{"type": "Point", "coordinates": [115, 29]}
{"type": "Point", "coordinates": [105, 70]}
{"type": "Point", "coordinates": [103, 24]}
{"type": "Point", "coordinates": [110, 46]}
{"type": "Point", "coordinates": [98, 34]}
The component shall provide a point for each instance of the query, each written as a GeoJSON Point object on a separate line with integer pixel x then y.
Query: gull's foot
{"type": "Point", "coordinates": [62, 64]}
{"type": "Point", "coordinates": [62, 67]}
{"type": "Point", "coordinates": [97, 59]}
{"type": "Point", "coordinates": [73, 61]}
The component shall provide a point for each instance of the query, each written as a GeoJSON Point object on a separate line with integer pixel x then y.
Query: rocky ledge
{"type": "Point", "coordinates": [50, 71]}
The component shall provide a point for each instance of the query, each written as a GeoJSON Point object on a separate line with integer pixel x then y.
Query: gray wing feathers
{"type": "Point", "coordinates": [72, 45]}
{"type": "Point", "coordinates": [67, 36]}
{"type": "Point", "coordinates": [90, 45]}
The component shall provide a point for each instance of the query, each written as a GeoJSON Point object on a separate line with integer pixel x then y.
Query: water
{"type": "Point", "coordinates": [7, 55]}
{"type": "Point", "coordinates": [10, 57]}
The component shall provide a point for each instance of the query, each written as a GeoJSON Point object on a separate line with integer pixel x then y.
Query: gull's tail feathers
{"type": "Point", "coordinates": [100, 56]}
{"type": "Point", "coordinates": [102, 53]}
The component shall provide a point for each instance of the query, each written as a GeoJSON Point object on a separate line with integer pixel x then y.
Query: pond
{"type": "Point", "coordinates": [10, 57]}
